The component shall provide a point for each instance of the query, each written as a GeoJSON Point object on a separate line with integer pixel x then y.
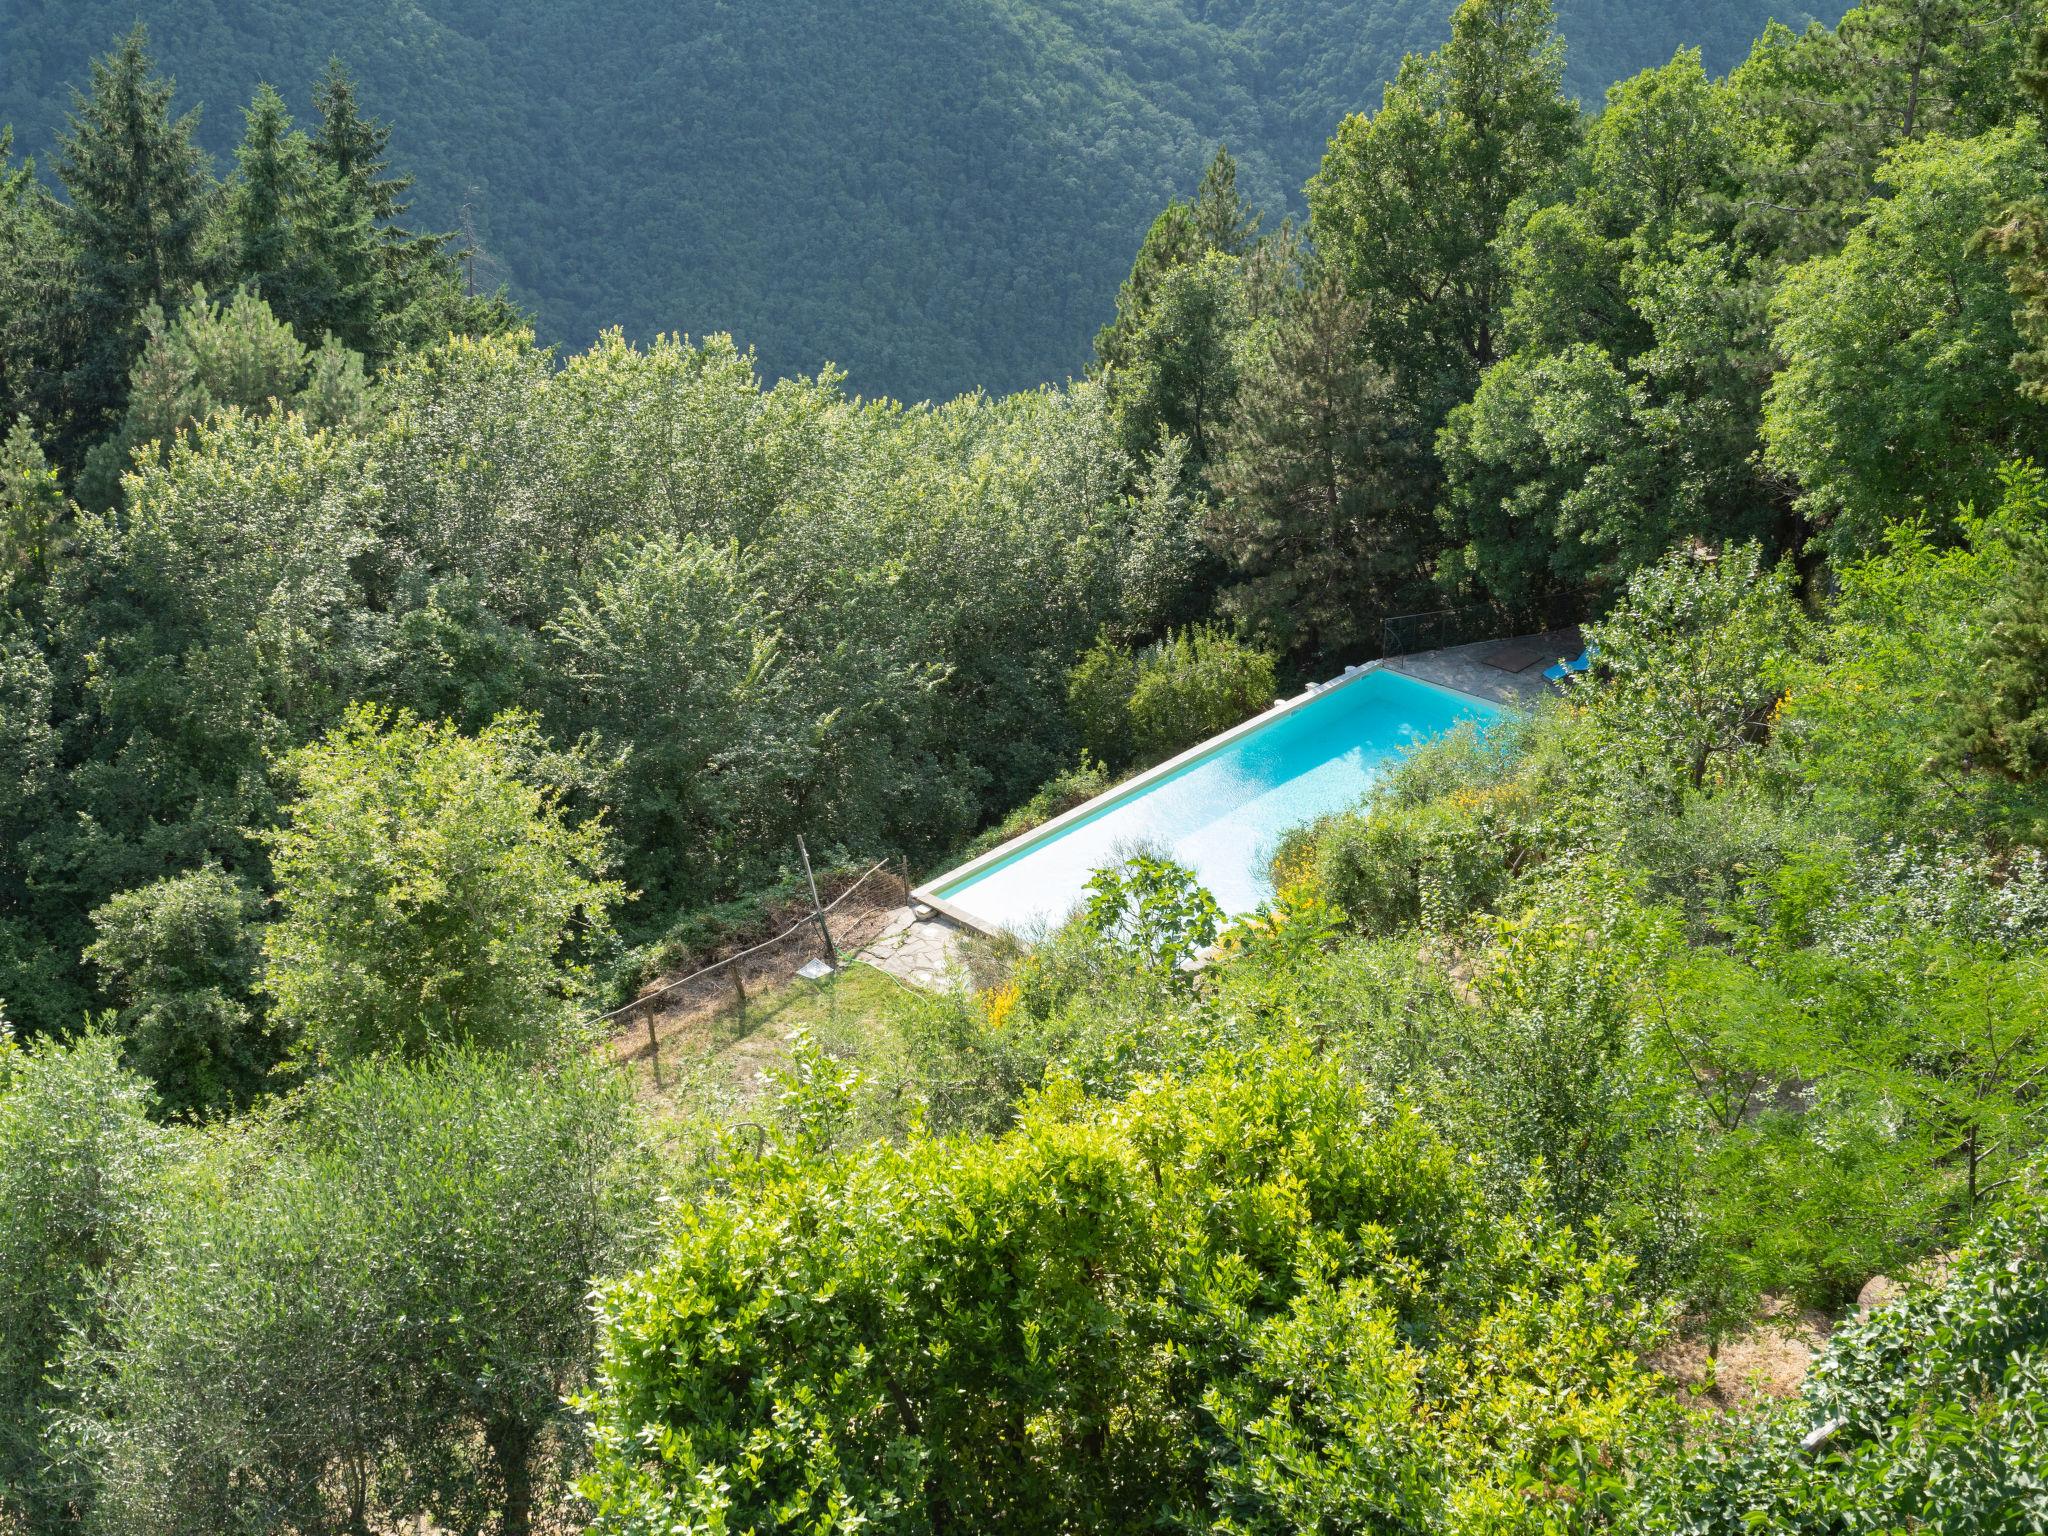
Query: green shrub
{"type": "Point", "coordinates": [1250, 1298]}
{"type": "Point", "coordinates": [1693, 663]}
{"type": "Point", "coordinates": [1702, 850]}
{"type": "Point", "coordinates": [1399, 866]}
{"type": "Point", "coordinates": [1058, 795]}
{"type": "Point", "coordinates": [1451, 828]}
{"type": "Point", "coordinates": [1099, 689]}
{"type": "Point", "coordinates": [77, 1153]}
{"type": "Point", "coordinates": [1193, 684]}
{"type": "Point", "coordinates": [180, 957]}
{"type": "Point", "coordinates": [1133, 709]}
{"type": "Point", "coordinates": [428, 894]}
{"type": "Point", "coordinates": [370, 1312]}
{"type": "Point", "coordinates": [1075, 1007]}
{"type": "Point", "coordinates": [1370, 863]}
{"type": "Point", "coordinates": [1153, 910]}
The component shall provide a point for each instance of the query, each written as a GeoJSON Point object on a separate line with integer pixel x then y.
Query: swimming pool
{"type": "Point", "coordinates": [1221, 809]}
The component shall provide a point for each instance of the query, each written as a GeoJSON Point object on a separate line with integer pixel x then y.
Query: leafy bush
{"type": "Point", "coordinates": [428, 895]}
{"type": "Point", "coordinates": [1693, 661]}
{"type": "Point", "coordinates": [180, 957]}
{"type": "Point", "coordinates": [1077, 1007]}
{"type": "Point", "coordinates": [1193, 684]}
{"type": "Point", "coordinates": [1099, 688]}
{"type": "Point", "coordinates": [1058, 795]}
{"type": "Point", "coordinates": [77, 1159]}
{"type": "Point", "coordinates": [1114, 1314]}
{"type": "Point", "coordinates": [1138, 708]}
{"type": "Point", "coordinates": [1450, 829]}
{"type": "Point", "coordinates": [373, 1311]}
{"type": "Point", "coordinates": [1151, 909]}
{"type": "Point", "coordinates": [1398, 867]}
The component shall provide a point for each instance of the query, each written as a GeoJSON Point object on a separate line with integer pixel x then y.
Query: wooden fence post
{"type": "Point", "coordinates": [654, 1047]}
{"type": "Point", "coordinates": [817, 908]}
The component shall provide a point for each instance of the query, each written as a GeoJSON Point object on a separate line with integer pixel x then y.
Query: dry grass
{"type": "Point", "coordinates": [1767, 1363]}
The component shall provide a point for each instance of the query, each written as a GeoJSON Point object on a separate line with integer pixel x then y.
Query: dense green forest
{"type": "Point", "coordinates": [382, 696]}
{"type": "Point", "coordinates": [935, 198]}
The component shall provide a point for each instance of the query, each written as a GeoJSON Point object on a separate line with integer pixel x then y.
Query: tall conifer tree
{"type": "Point", "coordinates": [140, 200]}
{"type": "Point", "coordinates": [304, 236]}
{"type": "Point", "coordinates": [1217, 219]}
{"type": "Point", "coordinates": [1323, 488]}
{"type": "Point", "coordinates": [35, 283]}
{"type": "Point", "coordinates": [2023, 240]}
{"type": "Point", "coordinates": [273, 171]}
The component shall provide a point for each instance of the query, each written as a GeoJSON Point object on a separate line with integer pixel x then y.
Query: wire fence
{"type": "Point", "coordinates": [1406, 633]}
{"type": "Point", "coordinates": [829, 931]}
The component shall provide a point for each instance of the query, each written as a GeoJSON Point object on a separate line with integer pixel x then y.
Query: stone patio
{"type": "Point", "coordinates": [1482, 669]}
{"type": "Point", "coordinates": [920, 952]}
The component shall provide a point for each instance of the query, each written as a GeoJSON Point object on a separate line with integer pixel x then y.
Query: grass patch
{"type": "Point", "coordinates": [725, 1060]}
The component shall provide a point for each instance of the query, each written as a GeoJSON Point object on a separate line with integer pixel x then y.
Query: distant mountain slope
{"type": "Point", "coordinates": [933, 195]}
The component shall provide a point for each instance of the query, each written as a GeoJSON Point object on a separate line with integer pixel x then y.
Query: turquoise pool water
{"type": "Point", "coordinates": [1224, 812]}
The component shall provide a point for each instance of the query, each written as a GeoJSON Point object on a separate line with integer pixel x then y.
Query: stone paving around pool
{"type": "Point", "coordinates": [921, 952]}
{"type": "Point", "coordinates": [1479, 670]}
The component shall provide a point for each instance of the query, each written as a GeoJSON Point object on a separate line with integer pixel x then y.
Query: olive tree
{"type": "Point", "coordinates": [77, 1151]}
{"type": "Point", "coordinates": [371, 1312]}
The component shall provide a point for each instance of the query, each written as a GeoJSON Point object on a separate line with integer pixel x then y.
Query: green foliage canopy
{"type": "Point", "coordinates": [1112, 1314]}
{"type": "Point", "coordinates": [429, 894]}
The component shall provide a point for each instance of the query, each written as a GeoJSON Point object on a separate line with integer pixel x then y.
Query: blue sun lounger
{"type": "Point", "coordinates": [1581, 663]}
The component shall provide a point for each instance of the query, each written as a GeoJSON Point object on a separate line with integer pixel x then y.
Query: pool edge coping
{"type": "Point", "coordinates": [1045, 830]}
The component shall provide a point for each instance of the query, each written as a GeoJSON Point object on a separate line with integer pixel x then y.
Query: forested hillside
{"type": "Point", "coordinates": [934, 197]}
{"type": "Point", "coordinates": [386, 700]}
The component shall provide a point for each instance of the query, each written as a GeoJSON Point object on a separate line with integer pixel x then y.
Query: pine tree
{"type": "Point", "coordinates": [141, 197]}
{"type": "Point", "coordinates": [1823, 107]}
{"type": "Point", "coordinates": [1218, 219]}
{"type": "Point", "coordinates": [36, 339]}
{"type": "Point", "coordinates": [303, 239]}
{"type": "Point", "coordinates": [2006, 725]}
{"type": "Point", "coordinates": [199, 361]}
{"type": "Point", "coordinates": [355, 148]}
{"type": "Point", "coordinates": [1914, 67]}
{"type": "Point", "coordinates": [1322, 504]}
{"type": "Point", "coordinates": [1224, 221]}
{"type": "Point", "coordinates": [392, 286]}
{"type": "Point", "coordinates": [345, 292]}
{"type": "Point", "coordinates": [32, 510]}
{"type": "Point", "coordinates": [1171, 242]}
{"type": "Point", "coordinates": [273, 172]}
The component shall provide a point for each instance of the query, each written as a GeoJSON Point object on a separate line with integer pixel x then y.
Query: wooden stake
{"type": "Point", "coordinates": [817, 908]}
